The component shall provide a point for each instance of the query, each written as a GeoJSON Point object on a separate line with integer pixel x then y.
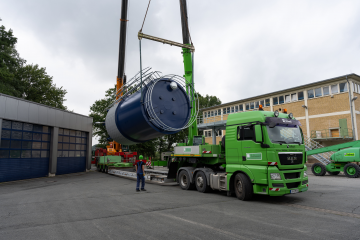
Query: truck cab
{"type": "Point", "coordinates": [267, 150]}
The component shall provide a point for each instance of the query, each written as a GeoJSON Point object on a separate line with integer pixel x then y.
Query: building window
{"type": "Point", "coordinates": [262, 103]}
{"type": "Point", "coordinates": [257, 104]}
{"type": "Point", "coordinates": [71, 146]}
{"type": "Point", "coordinates": [24, 140]}
{"type": "Point", "coordinates": [218, 133]}
{"type": "Point", "coordinates": [224, 110]}
{"type": "Point", "coordinates": [208, 113]}
{"type": "Point", "coordinates": [281, 99]}
{"type": "Point", "coordinates": [267, 102]}
{"type": "Point", "coordinates": [212, 113]}
{"type": "Point", "coordinates": [343, 87]}
{"type": "Point", "coordinates": [318, 92]}
{"type": "Point", "coordinates": [236, 108]}
{"type": "Point", "coordinates": [334, 89]}
{"type": "Point", "coordinates": [241, 108]}
{"type": "Point", "coordinates": [326, 90]}
{"type": "Point", "coordinates": [293, 97]}
{"type": "Point", "coordinates": [300, 95]}
{"type": "Point", "coordinates": [219, 112]}
{"type": "Point", "coordinates": [275, 100]}
{"type": "Point", "coordinates": [287, 98]}
{"type": "Point", "coordinates": [232, 109]}
{"type": "Point", "coordinates": [215, 112]}
{"type": "Point", "coordinates": [247, 106]}
{"type": "Point", "coordinates": [252, 105]}
{"type": "Point", "coordinates": [310, 93]}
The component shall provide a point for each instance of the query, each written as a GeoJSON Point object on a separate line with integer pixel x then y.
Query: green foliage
{"type": "Point", "coordinates": [25, 81]}
{"type": "Point", "coordinates": [208, 101]}
{"type": "Point", "coordinates": [98, 112]}
{"type": "Point", "coordinates": [37, 86]}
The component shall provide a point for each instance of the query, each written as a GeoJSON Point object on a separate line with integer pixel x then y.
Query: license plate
{"type": "Point", "coordinates": [294, 191]}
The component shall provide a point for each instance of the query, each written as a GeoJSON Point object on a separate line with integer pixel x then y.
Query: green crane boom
{"type": "Point", "coordinates": [334, 148]}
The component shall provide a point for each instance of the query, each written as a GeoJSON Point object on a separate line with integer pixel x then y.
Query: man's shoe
{"type": "Point", "coordinates": [137, 190]}
{"type": "Point", "coordinates": [143, 189]}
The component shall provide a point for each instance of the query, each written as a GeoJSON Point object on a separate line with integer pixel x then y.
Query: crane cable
{"type": "Point", "coordinates": [145, 16]}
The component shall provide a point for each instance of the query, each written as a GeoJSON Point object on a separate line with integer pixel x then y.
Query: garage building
{"type": "Point", "coordinates": [39, 141]}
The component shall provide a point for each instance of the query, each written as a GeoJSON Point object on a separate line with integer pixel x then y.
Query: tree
{"type": "Point", "coordinates": [30, 82]}
{"type": "Point", "coordinates": [208, 101]}
{"type": "Point", "coordinates": [10, 62]}
{"type": "Point", "coordinates": [98, 112]}
{"type": "Point", "coordinates": [37, 86]}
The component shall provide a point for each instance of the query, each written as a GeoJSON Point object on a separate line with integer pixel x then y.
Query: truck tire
{"type": "Point", "coordinates": [106, 169]}
{"type": "Point", "coordinates": [243, 187]}
{"type": "Point", "coordinates": [98, 168]}
{"type": "Point", "coordinates": [201, 183]}
{"type": "Point", "coordinates": [184, 181]}
{"type": "Point", "coordinates": [318, 169]}
{"type": "Point", "coordinates": [352, 170]}
{"type": "Point", "coordinates": [333, 173]}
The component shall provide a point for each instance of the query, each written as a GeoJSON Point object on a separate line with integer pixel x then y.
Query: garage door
{"type": "Point", "coordinates": [71, 151]}
{"type": "Point", "coordinates": [24, 151]}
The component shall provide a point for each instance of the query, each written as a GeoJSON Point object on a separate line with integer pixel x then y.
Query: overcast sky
{"type": "Point", "coordinates": [243, 48]}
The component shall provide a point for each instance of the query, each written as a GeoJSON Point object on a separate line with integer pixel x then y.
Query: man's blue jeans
{"type": "Point", "coordinates": [140, 176]}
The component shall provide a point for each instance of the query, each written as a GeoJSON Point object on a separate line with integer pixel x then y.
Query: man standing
{"type": "Point", "coordinates": [140, 174]}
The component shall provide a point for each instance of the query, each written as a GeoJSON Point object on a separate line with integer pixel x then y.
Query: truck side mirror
{"type": "Point", "coordinates": [258, 134]}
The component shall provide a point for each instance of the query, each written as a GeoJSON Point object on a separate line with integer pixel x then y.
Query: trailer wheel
{"type": "Point", "coordinates": [352, 170]}
{"type": "Point", "coordinates": [243, 187]}
{"type": "Point", "coordinates": [333, 173]}
{"type": "Point", "coordinates": [201, 183]}
{"type": "Point", "coordinates": [318, 169]}
{"type": "Point", "coordinates": [184, 181]}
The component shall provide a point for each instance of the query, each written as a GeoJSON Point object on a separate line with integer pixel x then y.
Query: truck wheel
{"type": "Point", "coordinates": [106, 169]}
{"type": "Point", "coordinates": [98, 168]}
{"type": "Point", "coordinates": [318, 169]}
{"type": "Point", "coordinates": [201, 183]}
{"type": "Point", "coordinates": [352, 170]}
{"type": "Point", "coordinates": [333, 173]}
{"type": "Point", "coordinates": [243, 187]}
{"type": "Point", "coordinates": [184, 181]}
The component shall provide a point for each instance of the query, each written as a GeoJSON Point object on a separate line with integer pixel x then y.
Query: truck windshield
{"type": "Point", "coordinates": [285, 134]}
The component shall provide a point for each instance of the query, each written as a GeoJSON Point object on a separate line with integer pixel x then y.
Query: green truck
{"type": "Point", "coordinates": [262, 153]}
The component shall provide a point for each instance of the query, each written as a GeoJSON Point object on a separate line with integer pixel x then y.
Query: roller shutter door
{"type": "Point", "coordinates": [71, 152]}
{"type": "Point", "coordinates": [24, 151]}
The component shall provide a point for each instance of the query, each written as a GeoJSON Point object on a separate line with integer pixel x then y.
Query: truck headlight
{"type": "Point", "coordinates": [305, 174]}
{"type": "Point", "coordinates": [275, 176]}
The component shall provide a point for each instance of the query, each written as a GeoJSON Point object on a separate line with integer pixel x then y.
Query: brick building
{"type": "Point", "coordinates": [329, 110]}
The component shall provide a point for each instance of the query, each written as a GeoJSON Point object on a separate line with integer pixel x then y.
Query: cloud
{"type": "Point", "coordinates": [243, 48]}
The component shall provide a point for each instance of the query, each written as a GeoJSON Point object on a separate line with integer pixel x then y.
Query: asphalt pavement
{"type": "Point", "coordinates": [95, 205]}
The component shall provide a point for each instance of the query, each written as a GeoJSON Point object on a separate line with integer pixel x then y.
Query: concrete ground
{"type": "Point", "coordinates": [95, 205]}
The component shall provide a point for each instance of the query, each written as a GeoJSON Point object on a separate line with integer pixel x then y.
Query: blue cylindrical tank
{"type": "Point", "coordinates": [131, 121]}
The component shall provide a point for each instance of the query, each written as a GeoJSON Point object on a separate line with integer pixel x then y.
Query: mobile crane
{"type": "Point", "coordinates": [262, 152]}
